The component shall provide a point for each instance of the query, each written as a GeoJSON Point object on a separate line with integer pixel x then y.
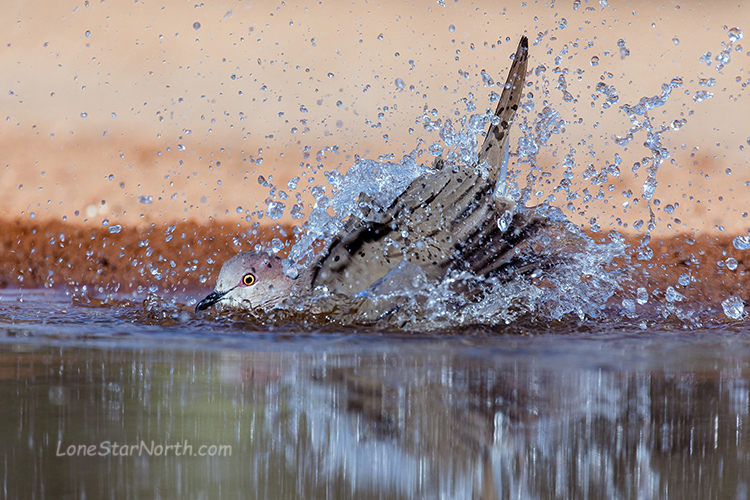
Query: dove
{"type": "Point", "coordinates": [447, 220]}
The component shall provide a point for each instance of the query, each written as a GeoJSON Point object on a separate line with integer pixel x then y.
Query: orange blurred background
{"type": "Point", "coordinates": [111, 104]}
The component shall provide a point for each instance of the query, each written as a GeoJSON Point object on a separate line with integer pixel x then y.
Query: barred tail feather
{"type": "Point", "coordinates": [493, 149]}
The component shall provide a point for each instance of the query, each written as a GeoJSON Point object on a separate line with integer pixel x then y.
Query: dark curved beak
{"type": "Point", "coordinates": [212, 299]}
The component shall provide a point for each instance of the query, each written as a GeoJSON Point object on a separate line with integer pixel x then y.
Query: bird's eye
{"type": "Point", "coordinates": [248, 279]}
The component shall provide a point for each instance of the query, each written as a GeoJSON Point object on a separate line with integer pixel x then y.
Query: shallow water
{"type": "Point", "coordinates": [624, 376]}
{"type": "Point", "coordinates": [568, 410]}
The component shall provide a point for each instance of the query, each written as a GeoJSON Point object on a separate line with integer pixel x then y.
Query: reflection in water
{"type": "Point", "coordinates": [507, 417]}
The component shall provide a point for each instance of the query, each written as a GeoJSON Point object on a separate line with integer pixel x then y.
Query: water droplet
{"type": "Point", "coordinates": [196, 25]}
{"type": "Point", "coordinates": [731, 263]}
{"type": "Point", "coordinates": [435, 149]}
{"type": "Point", "coordinates": [733, 307]}
{"type": "Point", "coordinates": [275, 210]}
{"type": "Point", "coordinates": [84, 114]}
{"type": "Point", "coordinates": [628, 305]}
{"type": "Point", "coordinates": [675, 40]}
{"type": "Point", "coordinates": [595, 61]}
{"type": "Point", "coordinates": [649, 186]}
{"type": "Point", "coordinates": [115, 229]}
{"type": "Point", "coordinates": [105, 222]}
{"type": "Point", "coordinates": [400, 83]}
{"type": "Point", "coordinates": [644, 253]}
{"type": "Point", "coordinates": [673, 295]}
{"type": "Point", "coordinates": [677, 124]}
{"type": "Point", "coordinates": [702, 95]}
{"type": "Point", "coordinates": [563, 23]}
{"type": "Point", "coordinates": [296, 212]}
{"type": "Point", "coordinates": [735, 35]}
{"type": "Point", "coordinates": [641, 296]}
{"type": "Point", "coordinates": [741, 242]}
{"type": "Point", "coordinates": [451, 28]}
{"type": "Point", "coordinates": [292, 184]}
{"type": "Point", "coordinates": [684, 279]}
{"type": "Point", "coordinates": [277, 245]}
{"type": "Point", "coordinates": [330, 75]}
{"type": "Point", "coordinates": [88, 33]}
{"type": "Point", "coordinates": [503, 223]}
{"type": "Point", "coordinates": [603, 3]}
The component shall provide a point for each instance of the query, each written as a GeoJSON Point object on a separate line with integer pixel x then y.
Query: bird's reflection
{"type": "Point", "coordinates": [434, 420]}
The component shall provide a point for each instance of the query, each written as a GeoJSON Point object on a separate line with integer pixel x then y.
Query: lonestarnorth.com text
{"type": "Point", "coordinates": [108, 448]}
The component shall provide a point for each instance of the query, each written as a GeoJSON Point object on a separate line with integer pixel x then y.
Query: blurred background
{"type": "Point", "coordinates": [141, 112]}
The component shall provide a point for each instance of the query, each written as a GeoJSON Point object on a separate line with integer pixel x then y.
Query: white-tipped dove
{"type": "Point", "coordinates": [444, 221]}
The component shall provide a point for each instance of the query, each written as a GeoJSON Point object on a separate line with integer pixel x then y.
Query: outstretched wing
{"type": "Point", "coordinates": [433, 220]}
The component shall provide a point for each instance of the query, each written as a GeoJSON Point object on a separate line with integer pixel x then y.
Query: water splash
{"type": "Point", "coordinates": [380, 182]}
{"type": "Point", "coordinates": [725, 56]}
{"type": "Point", "coordinates": [548, 294]}
{"type": "Point", "coordinates": [733, 307]}
{"type": "Point", "coordinates": [578, 284]}
{"type": "Point", "coordinates": [742, 242]}
{"type": "Point", "coordinates": [649, 103]}
{"type": "Point", "coordinates": [638, 115]}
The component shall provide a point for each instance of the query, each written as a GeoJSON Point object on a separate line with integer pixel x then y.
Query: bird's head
{"type": "Point", "coordinates": [249, 280]}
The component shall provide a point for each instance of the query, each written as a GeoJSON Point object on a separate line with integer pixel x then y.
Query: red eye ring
{"type": "Point", "coordinates": [248, 279]}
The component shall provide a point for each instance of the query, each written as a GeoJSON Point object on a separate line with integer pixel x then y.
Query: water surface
{"type": "Point", "coordinates": [568, 410]}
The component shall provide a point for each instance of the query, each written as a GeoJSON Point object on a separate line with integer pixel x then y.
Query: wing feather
{"type": "Point", "coordinates": [434, 221]}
